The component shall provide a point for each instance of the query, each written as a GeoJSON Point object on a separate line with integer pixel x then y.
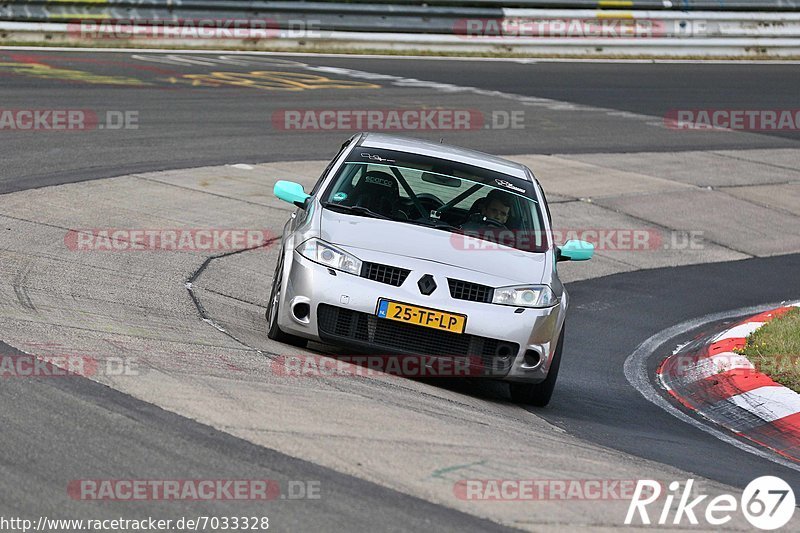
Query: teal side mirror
{"type": "Point", "coordinates": [291, 192]}
{"type": "Point", "coordinates": [574, 250]}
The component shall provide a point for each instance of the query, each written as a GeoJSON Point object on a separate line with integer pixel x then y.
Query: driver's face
{"type": "Point", "coordinates": [496, 211]}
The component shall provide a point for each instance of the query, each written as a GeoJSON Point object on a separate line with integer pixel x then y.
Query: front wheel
{"type": "Point", "coordinates": [539, 394]}
{"type": "Point", "coordinates": [273, 308]}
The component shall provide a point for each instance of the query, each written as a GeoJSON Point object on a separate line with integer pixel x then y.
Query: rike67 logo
{"type": "Point", "coordinates": [767, 503]}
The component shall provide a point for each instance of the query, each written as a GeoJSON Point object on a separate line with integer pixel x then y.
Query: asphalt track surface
{"type": "Point", "coordinates": [184, 123]}
{"type": "Point", "coordinates": [57, 430]}
{"type": "Point", "coordinates": [194, 126]}
{"type": "Point", "coordinates": [597, 403]}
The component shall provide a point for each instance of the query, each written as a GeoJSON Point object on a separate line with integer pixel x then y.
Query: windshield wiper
{"type": "Point", "coordinates": [355, 209]}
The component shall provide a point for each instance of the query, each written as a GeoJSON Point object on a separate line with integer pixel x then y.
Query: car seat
{"type": "Point", "coordinates": [377, 191]}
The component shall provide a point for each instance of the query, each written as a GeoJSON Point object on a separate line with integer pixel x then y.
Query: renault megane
{"type": "Point", "coordinates": [409, 247]}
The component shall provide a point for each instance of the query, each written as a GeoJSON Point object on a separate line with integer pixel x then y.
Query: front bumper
{"type": "Point", "coordinates": [342, 310]}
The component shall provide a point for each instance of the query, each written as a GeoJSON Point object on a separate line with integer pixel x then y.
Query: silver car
{"type": "Point", "coordinates": [411, 248]}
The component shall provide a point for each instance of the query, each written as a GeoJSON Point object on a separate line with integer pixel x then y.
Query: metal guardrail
{"type": "Point", "coordinates": [393, 16]}
{"type": "Point", "coordinates": [332, 16]}
{"type": "Point", "coordinates": [477, 25]}
{"type": "Point", "coordinates": [59, 10]}
{"type": "Point", "coordinates": [58, 33]}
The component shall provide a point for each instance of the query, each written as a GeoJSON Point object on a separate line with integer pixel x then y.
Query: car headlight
{"type": "Point", "coordinates": [525, 296]}
{"type": "Point", "coordinates": [326, 254]}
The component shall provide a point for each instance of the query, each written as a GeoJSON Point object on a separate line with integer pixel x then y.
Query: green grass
{"type": "Point", "coordinates": [775, 349]}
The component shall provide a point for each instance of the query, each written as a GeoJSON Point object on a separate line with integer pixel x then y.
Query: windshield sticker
{"type": "Point", "coordinates": [509, 185]}
{"type": "Point", "coordinates": [375, 157]}
{"type": "Point", "coordinates": [339, 196]}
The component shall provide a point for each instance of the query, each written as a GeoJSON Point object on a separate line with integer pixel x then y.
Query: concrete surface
{"type": "Point", "coordinates": [135, 305]}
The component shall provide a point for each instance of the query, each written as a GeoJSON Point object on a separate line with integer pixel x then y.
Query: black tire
{"type": "Point", "coordinates": [273, 308]}
{"type": "Point", "coordinates": [539, 394]}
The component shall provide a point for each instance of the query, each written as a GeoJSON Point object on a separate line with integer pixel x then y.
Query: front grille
{"type": "Point", "coordinates": [339, 325]}
{"type": "Point", "coordinates": [384, 273]}
{"type": "Point", "coordinates": [466, 290]}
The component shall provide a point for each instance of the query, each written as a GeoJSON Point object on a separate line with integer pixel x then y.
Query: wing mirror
{"type": "Point", "coordinates": [575, 250]}
{"type": "Point", "coordinates": [291, 192]}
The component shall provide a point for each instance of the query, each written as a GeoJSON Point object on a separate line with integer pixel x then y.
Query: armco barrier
{"type": "Point", "coordinates": [561, 27]}
{"type": "Point", "coordinates": [399, 6]}
{"type": "Point", "coordinates": [407, 16]}
{"type": "Point", "coordinates": [655, 24]}
{"type": "Point", "coordinates": [331, 16]}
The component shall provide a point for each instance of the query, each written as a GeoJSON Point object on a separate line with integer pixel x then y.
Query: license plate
{"type": "Point", "coordinates": [422, 316]}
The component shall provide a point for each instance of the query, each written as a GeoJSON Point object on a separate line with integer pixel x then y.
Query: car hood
{"type": "Point", "coordinates": [418, 242]}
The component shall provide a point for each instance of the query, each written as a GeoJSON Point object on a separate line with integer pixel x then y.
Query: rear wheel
{"type": "Point", "coordinates": [273, 308]}
{"type": "Point", "coordinates": [539, 394]}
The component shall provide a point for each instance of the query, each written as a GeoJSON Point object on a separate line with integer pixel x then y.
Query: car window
{"type": "Point", "coordinates": [456, 202]}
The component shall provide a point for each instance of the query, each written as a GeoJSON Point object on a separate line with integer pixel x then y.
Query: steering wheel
{"type": "Point", "coordinates": [493, 223]}
{"type": "Point", "coordinates": [430, 201]}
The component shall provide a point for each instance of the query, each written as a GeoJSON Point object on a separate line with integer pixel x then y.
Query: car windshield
{"type": "Point", "coordinates": [460, 199]}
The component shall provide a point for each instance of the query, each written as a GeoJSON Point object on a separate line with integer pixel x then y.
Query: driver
{"type": "Point", "coordinates": [493, 213]}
